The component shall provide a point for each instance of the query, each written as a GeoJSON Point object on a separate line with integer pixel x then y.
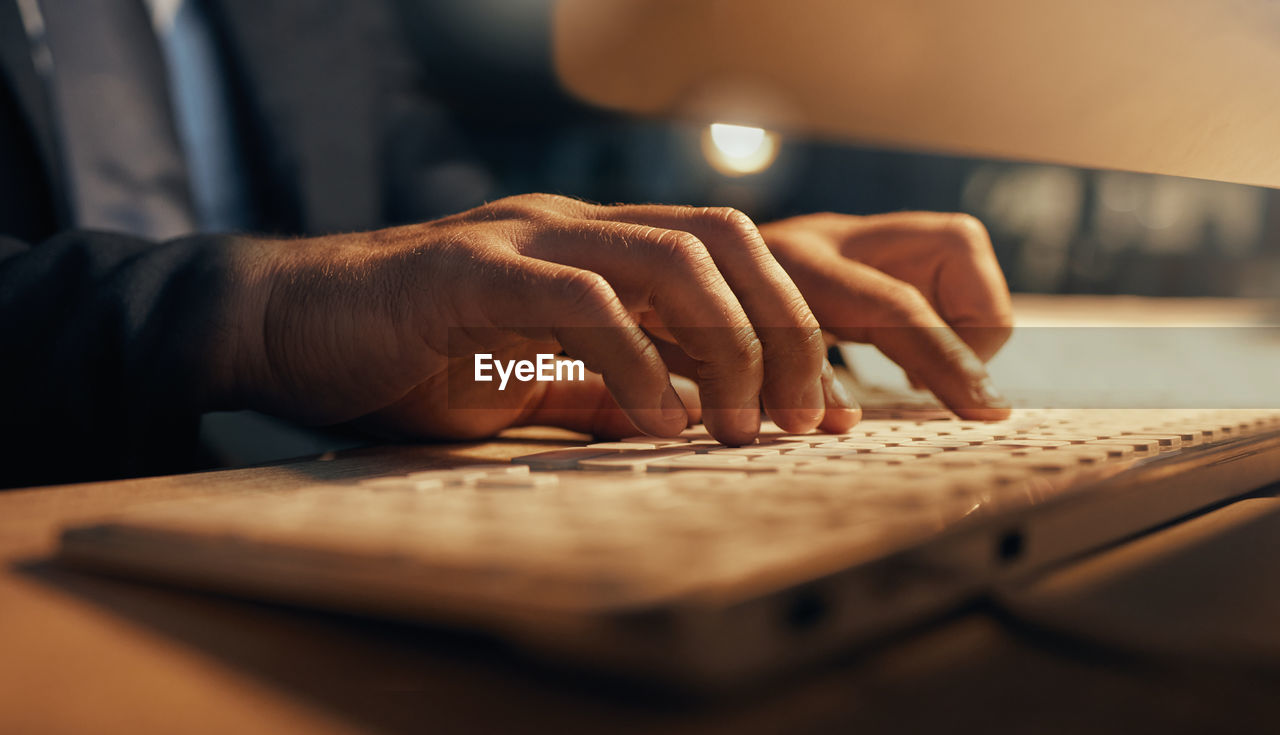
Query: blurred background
{"type": "Point", "coordinates": [1055, 229]}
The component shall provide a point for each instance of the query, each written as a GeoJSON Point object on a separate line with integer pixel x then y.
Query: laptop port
{"type": "Point", "coordinates": [806, 610]}
{"type": "Point", "coordinates": [1009, 546]}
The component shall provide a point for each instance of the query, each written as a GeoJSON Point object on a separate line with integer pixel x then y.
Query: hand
{"type": "Point", "coordinates": [381, 327]}
{"type": "Point", "coordinates": [924, 287]}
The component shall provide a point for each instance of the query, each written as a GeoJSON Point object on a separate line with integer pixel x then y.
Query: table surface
{"type": "Point", "coordinates": [81, 653]}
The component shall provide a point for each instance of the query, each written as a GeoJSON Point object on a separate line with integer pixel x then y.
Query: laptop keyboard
{"type": "Point", "coordinates": [642, 518]}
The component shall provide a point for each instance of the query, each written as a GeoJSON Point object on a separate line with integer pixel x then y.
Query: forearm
{"type": "Point", "coordinates": [113, 348]}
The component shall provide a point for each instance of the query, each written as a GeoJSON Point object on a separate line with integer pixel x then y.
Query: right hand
{"type": "Point", "coordinates": [381, 327]}
{"type": "Point", "coordinates": [924, 287]}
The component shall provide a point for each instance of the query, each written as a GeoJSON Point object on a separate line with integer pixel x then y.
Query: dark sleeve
{"type": "Point", "coordinates": [104, 351]}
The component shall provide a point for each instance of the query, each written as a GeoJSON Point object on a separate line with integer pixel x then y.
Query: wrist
{"type": "Point", "coordinates": [237, 353]}
{"type": "Point", "coordinates": [310, 330]}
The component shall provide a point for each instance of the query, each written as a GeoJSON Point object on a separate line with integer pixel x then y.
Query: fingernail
{"type": "Point", "coordinates": [673, 408]}
{"type": "Point", "coordinates": [987, 394]}
{"type": "Point", "coordinates": [813, 402]}
{"type": "Point", "coordinates": [841, 395]}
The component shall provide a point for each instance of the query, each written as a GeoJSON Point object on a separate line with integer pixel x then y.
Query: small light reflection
{"type": "Point", "coordinates": [739, 150]}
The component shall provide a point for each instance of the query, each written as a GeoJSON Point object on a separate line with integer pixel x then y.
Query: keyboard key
{"type": "Point", "coordinates": [1188, 437]}
{"type": "Point", "coordinates": [889, 439]}
{"type": "Point", "coordinates": [695, 432]}
{"type": "Point", "coordinates": [703, 446]}
{"type": "Point", "coordinates": [854, 465]}
{"type": "Point", "coordinates": [747, 451]}
{"type": "Point", "coordinates": [942, 444]}
{"type": "Point", "coordinates": [1167, 441]}
{"type": "Point", "coordinates": [1090, 454]}
{"type": "Point", "coordinates": [653, 441]}
{"type": "Point", "coordinates": [466, 475]}
{"type": "Point", "coordinates": [518, 481]}
{"type": "Point", "coordinates": [1112, 450]}
{"type": "Point", "coordinates": [770, 437]}
{"type": "Point", "coordinates": [993, 447]}
{"type": "Point", "coordinates": [1026, 443]}
{"type": "Point", "coordinates": [699, 462]}
{"type": "Point", "coordinates": [978, 437]}
{"type": "Point", "coordinates": [788, 459]}
{"type": "Point", "coordinates": [859, 446]}
{"type": "Point", "coordinates": [909, 451]}
{"type": "Point", "coordinates": [632, 461]}
{"type": "Point", "coordinates": [1065, 437]}
{"type": "Point", "coordinates": [622, 446]}
{"type": "Point", "coordinates": [1139, 444]}
{"type": "Point", "coordinates": [969, 459]}
{"type": "Point", "coordinates": [560, 459]}
{"type": "Point", "coordinates": [836, 450]}
{"type": "Point", "coordinates": [917, 436]}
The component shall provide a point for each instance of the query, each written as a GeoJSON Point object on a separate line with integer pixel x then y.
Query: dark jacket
{"type": "Point", "coordinates": [102, 336]}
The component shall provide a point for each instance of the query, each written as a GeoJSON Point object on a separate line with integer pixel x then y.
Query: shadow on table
{"type": "Point", "coordinates": [397, 677]}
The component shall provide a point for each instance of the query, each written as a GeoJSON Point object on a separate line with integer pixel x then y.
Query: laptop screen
{"type": "Point", "coordinates": [1182, 87]}
{"type": "Point", "coordinates": [1121, 147]}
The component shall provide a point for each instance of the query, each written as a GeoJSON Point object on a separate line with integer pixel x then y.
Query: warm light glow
{"type": "Point", "coordinates": [738, 150]}
{"type": "Point", "coordinates": [737, 141]}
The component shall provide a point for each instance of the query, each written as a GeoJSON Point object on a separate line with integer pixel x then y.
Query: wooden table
{"type": "Point", "coordinates": [86, 654]}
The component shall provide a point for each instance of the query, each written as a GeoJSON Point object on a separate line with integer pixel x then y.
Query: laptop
{"type": "Point", "coordinates": [709, 566]}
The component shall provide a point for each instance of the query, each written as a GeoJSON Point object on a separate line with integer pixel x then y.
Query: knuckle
{"type": "Point", "coordinates": [801, 350]}
{"type": "Point", "coordinates": [737, 359]}
{"type": "Point", "coordinates": [748, 352]}
{"type": "Point", "coordinates": [731, 221]}
{"type": "Point", "coordinates": [525, 206]}
{"type": "Point", "coordinates": [812, 346]}
{"type": "Point", "coordinates": [557, 202]}
{"type": "Point", "coordinates": [806, 324]}
{"type": "Point", "coordinates": [741, 354]}
{"type": "Point", "coordinates": [906, 302]}
{"type": "Point", "coordinates": [683, 248]}
{"type": "Point", "coordinates": [538, 200]}
{"type": "Point", "coordinates": [745, 365]}
{"type": "Point", "coordinates": [585, 292]}
{"type": "Point", "coordinates": [513, 207]}
{"type": "Point", "coordinates": [968, 233]}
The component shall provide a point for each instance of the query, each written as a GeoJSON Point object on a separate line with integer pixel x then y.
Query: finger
{"type": "Point", "coordinates": [677, 360]}
{"type": "Point", "coordinates": [671, 273]}
{"type": "Point", "coordinates": [580, 311]}
{"type": "Point", "coordinates": [857, 302]}
{"type": "Point", "coordinates": [940, 360]}
{"type": "Point", "coordinates": [792, 390]}
{"type": "Point", "coordinates": [843, 411]}
{"type": "Point", "coordinates": [587, 406]}
{"type": "Point", "coordinates": [948, 257]}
